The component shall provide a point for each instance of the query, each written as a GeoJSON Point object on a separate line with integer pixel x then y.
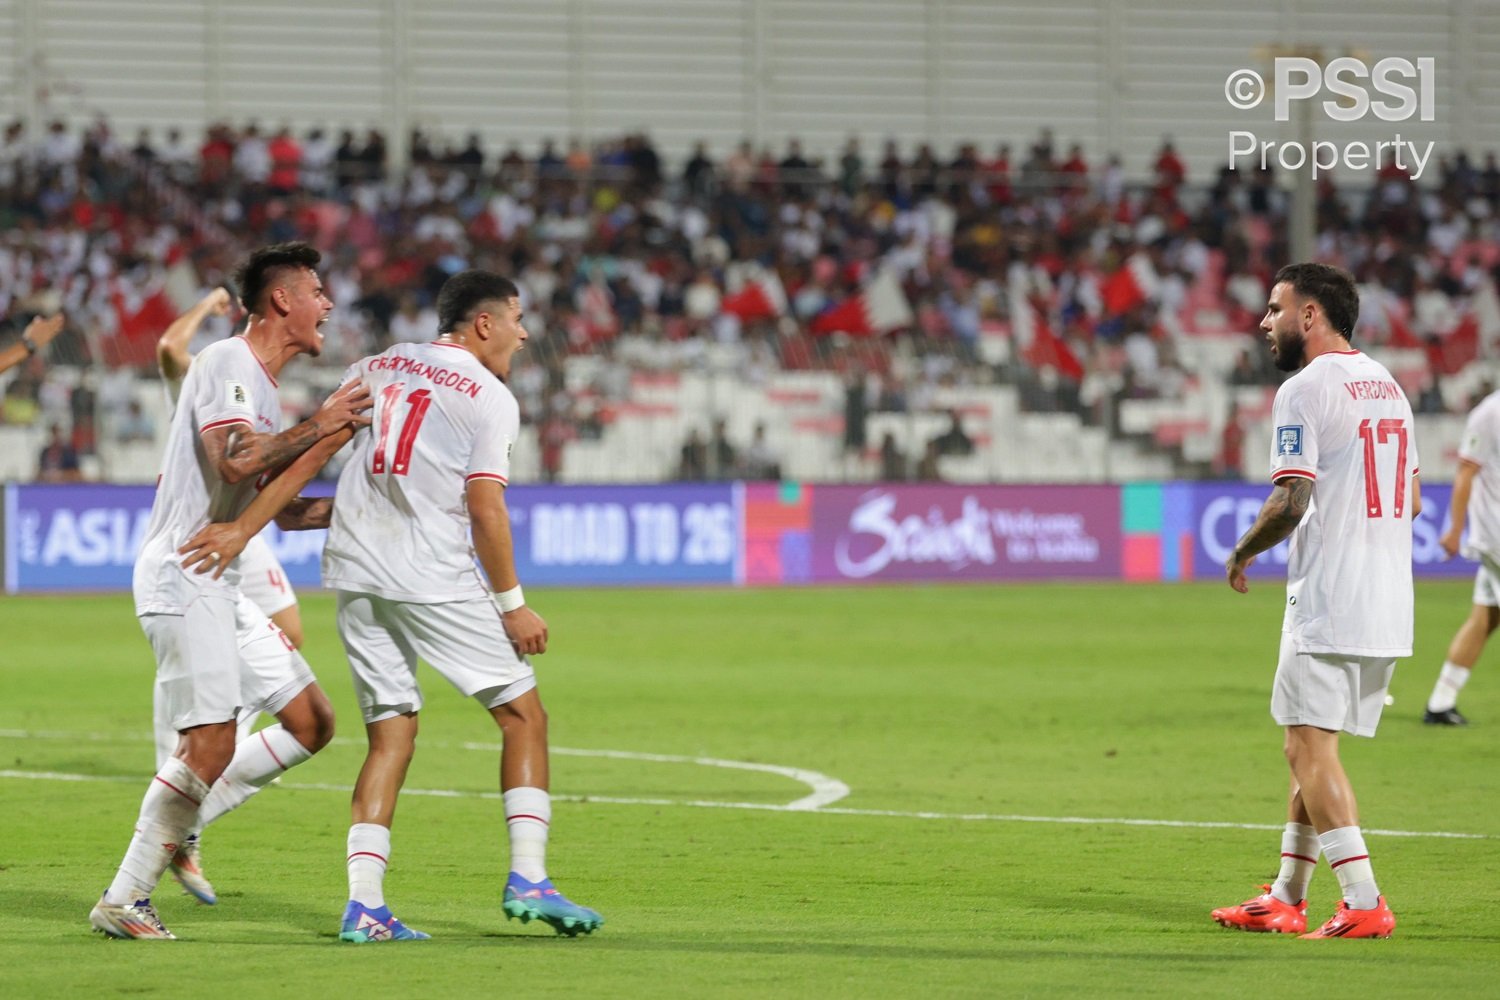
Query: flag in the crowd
{"type": "Point", "coordinates": [1461, 344]}
{"type": "Point", "coordinates": [880, 307]}
{"type": "Point", "coordinates": [1131, 285]}
{"type": "Point", "coordinates": [142, 315]}
{"type": "Point", "coordinates": [1401, 332]}
{"type": "Point", "coordinates": [1033, 335]}
{"type": "Point", "coordinates": [762, 296]}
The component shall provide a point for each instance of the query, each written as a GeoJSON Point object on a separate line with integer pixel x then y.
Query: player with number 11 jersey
{"type": "Point", "coordinates": [400, 527]}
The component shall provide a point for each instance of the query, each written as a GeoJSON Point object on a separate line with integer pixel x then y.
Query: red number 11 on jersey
{"type": "Point", "coordinates": [418, 401]}
{"type": "Point", "coordinates": [1383, 431]}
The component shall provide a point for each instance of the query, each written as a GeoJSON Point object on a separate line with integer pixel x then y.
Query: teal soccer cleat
{"type": "Point", "coordinates": [363, 925]}
{"type": "Point", "coordinates": [529, 901]}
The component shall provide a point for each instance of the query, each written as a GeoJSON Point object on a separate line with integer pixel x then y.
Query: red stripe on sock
{"type": "Point", "coordinates": [366, 854]}
{"type": "Point", "coordinates": [270, 751]}
{"type": "Point", "coordinates": [1357, 857]}
{"type": "Point", "coordinates": [512, 819]}
{"type": "Point", "coordinates": [1302, 857]}
{"type": "Point", "coordinates": [179, 791]}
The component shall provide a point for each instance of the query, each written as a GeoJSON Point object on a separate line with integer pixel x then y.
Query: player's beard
{"type": "Point", "coordinates": [1291, 348]}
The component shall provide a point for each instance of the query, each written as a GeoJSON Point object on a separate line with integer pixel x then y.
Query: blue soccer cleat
{"type": "Point", "coordinates": [541, 901]}
{"type": "Point", "coordinates": [363, 925]}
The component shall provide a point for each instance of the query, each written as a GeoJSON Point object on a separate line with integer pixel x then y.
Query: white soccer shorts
{"type": "Point", "coordinates": [1487, 584]}
{"type": "Point", "coordinates": [465, 641]}
{"type": "Point", "coordinates": [1329, 691]}
{"type": "Point", "coordinates": [263, 580]}
{"type": "Point", "coordinates": [218, 660]}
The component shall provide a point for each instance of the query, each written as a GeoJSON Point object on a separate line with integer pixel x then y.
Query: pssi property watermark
{"type": "Point", "coordinates": [1391, 90]}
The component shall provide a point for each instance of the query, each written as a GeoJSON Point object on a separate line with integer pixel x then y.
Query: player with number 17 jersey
{"type": "Point", "coordinates": [400, 527]}
{"type": "Point", "coordinates": [1344, 422]}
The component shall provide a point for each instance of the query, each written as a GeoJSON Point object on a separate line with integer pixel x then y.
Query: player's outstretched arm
{"type": "Point", "coordinates": [1458, 505]}
{"type": "Point", "coordinates": [172, 357]}
{"type": "Point", "coordinates": [37, 335]}
{"type": "Point", "coordinates": [216, 545]}
{"type": "Point", "coordinates": [238, 454]}
{"type": "Point", "coordinates": [1279, 516]}
{"type": "Point", "coordinates": [493, 545]}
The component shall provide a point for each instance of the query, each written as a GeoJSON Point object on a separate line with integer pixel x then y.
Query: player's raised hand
{"type": "Point", "coordinates": [348, 407]}
{"type": "Point", "coordinates": [527, 631]}
{"type": "Point", "coordinates": [1234, 571]}
{"type": "Point", "coordinates": [219, 301]}
{"type": "Point", "coordinates": [43, 331]}
{"type": "Point", "coordinates": [212, 548]}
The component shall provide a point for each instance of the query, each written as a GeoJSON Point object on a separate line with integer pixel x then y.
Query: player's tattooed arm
{"type": "Point", "coordinates": [306, 514]}
{"type": "Point", "coordinates": [239, 454]}
{"type": "Point", "coordinates": [1279, 516]}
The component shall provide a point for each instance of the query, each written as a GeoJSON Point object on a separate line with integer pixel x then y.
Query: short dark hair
{"type": "Point", "coordinates": [466, 291]}
{"type": "Point", "coordinates": [1330, 287]}
{"type": "Point", "coordinates": [263, 267]}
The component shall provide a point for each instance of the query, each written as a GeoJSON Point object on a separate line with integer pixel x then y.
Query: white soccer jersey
{"type": "Point", "coordinates": [1481, 445]}
{"type": "Point", "coordinates": [226, 385]}
{"type": "Point", "coordinates": [1344, 423]}
{"type": "Point", "coordinates": [400, 522]}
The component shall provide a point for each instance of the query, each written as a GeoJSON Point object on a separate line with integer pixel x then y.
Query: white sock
{"type": "Point", "coordinates": [528, 814]}
{"type": "Point", "coordinates": [1350, 861]}
{"type": "Point", "coordinates": [369, 853]}
{"type": "Point", "coordinates": [266, 754]}
{"type": "Point", "coordinates": [167, 813]}
{"type": "Point", "coordinates": [1299, 858]}
{"type": "Point", "coordinates": [1450, 682]}
{"type": "Point", "coordinates": [162, 732]}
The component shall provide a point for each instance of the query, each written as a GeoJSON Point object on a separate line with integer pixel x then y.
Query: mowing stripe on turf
{"type": "Point", "coordinates": [449, 793]}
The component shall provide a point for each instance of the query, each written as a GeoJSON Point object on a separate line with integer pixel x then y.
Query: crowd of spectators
{"type": "Point", "coordinates": [1029, 266]}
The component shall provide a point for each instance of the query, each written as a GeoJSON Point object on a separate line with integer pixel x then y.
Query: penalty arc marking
{"type": "Point", "coordinates": [823, 790]}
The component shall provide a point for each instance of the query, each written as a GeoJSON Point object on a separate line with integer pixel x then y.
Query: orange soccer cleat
{"type": "Point", "coordinates": [1351, 923]}
{"type": "Point", "coordinates": [1265, 914]}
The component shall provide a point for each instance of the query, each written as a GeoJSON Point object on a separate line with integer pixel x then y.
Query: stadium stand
{"type": "Point", "coordinates": [1083, 328]}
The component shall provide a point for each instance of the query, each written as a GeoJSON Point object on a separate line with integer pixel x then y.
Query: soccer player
{"type": "Point", "coordinates": [262, 580]}
{"type": "Point", "coordinates": [433, 468]}
{"type": "Point", "coordinates": [1476, 500]}
{"type": "Point", "coordinates": [1344, 469]}
{"type": "Point", "coordinates": [215, 652]}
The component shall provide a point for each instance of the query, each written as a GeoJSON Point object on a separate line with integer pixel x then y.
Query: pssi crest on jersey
{"type": "Point", "coordinates": [1289, 440]}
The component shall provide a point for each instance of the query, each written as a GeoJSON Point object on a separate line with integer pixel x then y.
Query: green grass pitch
{"type": "Point", "coordinates": [966, 722]}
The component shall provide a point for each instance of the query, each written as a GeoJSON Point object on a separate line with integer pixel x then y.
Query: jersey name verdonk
{"type": "Point", "coordinates": [444, 377]}
{"type": "Point", "coordinates": [1373, 389]}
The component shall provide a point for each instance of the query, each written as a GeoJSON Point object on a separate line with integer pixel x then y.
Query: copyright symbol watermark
{"type": "Point", "coordinates": [1244, 89]}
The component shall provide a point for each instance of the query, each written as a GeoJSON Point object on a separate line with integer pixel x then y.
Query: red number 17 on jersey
{"type": "Point", "coordinates": [1382, 432]}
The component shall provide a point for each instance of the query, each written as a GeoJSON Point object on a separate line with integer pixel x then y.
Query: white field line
{"type": "Point", "coordinates": [824, 790]}
{"type": "Point", "coordinates": [797, 806]}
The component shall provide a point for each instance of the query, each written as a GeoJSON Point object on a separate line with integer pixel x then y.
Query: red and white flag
{"type": "Point", "coordinates": [761, 296]}
{"type": "Point", "coordinates": [1133, 284]}
{"type": "Point", "coordinates": [1034, 339]}
{"type": "Point", "coordinates": [880, 307]}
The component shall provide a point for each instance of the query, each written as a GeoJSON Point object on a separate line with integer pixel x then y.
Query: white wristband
{"type": "Point", "coordinates": [509, 600]}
